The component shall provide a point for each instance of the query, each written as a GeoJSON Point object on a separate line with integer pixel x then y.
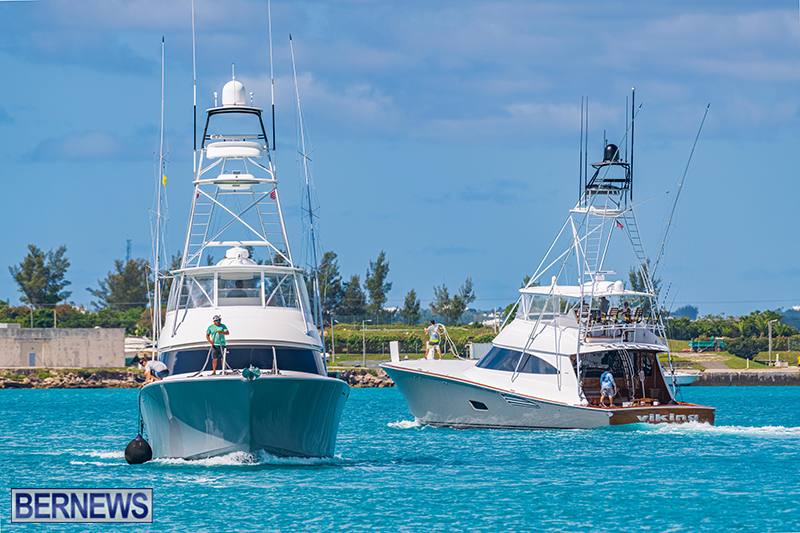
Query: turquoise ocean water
{"type": "Point", "coordinates": [391, 475]}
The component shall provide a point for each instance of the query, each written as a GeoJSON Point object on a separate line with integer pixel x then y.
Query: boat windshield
{"type": "Point", "coordinates": [532, 305]}
{"type": "Point", "coordinates": [506, 360]}
{"type": "Point", "coordinates": [257, 289]}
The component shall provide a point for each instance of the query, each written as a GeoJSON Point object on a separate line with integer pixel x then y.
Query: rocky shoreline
{"type": "Point", "coordinates": [361, 378]}
{"type": "Point", "coordinates": [748, 378]}
{"type": "Point", "coordinates": [75, 378]}
{"type": "Point", "coordinates": [72, 378]}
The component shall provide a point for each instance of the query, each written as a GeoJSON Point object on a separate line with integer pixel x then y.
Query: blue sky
{"type": "Point", "coordinates": [445, 133]}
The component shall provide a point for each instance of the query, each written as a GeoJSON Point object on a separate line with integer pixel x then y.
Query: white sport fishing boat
{"type": "Point", "coordinates": [543, 371]}
{"type": "Point", "coordinates": [273, 392]}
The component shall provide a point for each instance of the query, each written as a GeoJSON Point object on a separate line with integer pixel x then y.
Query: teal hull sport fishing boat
{"type": "Point", "coordinates": [271, 390]}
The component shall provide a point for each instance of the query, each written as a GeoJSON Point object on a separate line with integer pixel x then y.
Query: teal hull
{"type": "Point", "coordinates": [288, 415]}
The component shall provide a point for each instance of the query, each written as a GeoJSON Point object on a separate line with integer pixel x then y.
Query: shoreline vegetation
{"type": "Point", "coordinates": [347, 343]}
{"type": "Point", "coordinates": [129, 378]}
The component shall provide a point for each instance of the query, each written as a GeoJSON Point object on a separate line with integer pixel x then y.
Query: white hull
{"type": "Point", "coordinates": [440, 400]}
{"type": "Point", "coordinates": [292, 414]}
{"type": "Point", "coordinates": [683, 380]}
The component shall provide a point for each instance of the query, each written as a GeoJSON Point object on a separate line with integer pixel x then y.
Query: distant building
{"type": "Point", "coordinates": [71, 348]}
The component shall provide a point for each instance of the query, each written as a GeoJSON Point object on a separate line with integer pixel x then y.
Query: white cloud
{"type": "Point", "coordinates": [79, 146]}
{"type": "Point", "coordinates": [345, 107]}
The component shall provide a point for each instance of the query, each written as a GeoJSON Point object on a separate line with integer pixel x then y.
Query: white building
{"type": "Point", "coordinates": [70, 348]}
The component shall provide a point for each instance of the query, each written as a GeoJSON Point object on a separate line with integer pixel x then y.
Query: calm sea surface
{"type": "Point", "coordinates": [390, 475]}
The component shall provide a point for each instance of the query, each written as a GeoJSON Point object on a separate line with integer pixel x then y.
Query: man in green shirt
{"type": "Point", "coordinates": [215, 334]}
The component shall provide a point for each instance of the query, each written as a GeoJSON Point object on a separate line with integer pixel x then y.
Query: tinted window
{"type": "Point", "coordinates": [534, 365]}
{"type": "Point", "coordinates": [239, 357]}
{"type": "Point", "coordinates": [500, 359]}
{"type": "Point", "coordinates": [506, 360]}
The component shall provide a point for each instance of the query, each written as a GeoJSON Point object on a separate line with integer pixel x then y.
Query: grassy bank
{"type": "Point", "coordinates": [347, 340]}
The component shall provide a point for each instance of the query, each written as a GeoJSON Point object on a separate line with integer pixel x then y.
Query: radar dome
{"type": "Point", "coordinates": [236, 256]}
{"type": "Point", "coordinates": [611, 152]}
{"type": "Point", "coordinates": [233, 94]}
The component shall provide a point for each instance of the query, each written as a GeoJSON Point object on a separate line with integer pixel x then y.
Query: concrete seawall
{"type": "Point", "coordinates": [748, 378]}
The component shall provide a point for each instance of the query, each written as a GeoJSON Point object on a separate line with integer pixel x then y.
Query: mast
{"type": "Point", "coordinates": [312, 229]}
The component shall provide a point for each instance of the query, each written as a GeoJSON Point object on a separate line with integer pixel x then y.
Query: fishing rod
{"type": "Point", "coordinates": [678, 195]}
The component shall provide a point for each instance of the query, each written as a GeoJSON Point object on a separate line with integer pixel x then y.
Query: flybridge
{"type": "Point", "coordinates": [235, 201]}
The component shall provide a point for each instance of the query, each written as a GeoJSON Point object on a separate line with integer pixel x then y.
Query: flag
{"type": "Point", "coordinates": [619, 225]}
{"type": "Point", "coordinates": [164, 180]}
{"type": "Point", "coordinates": [273, 194]}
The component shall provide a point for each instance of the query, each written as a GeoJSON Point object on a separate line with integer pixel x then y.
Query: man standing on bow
{"type": "Point", "coordinates": [215, 335]}
{"type": "Point", "coordinates": [433, 342]}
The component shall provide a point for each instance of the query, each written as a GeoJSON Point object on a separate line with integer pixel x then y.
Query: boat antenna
{"type": "Point", "coordinates": [678, 194]}
{"type": "Point", "coordinates": [580, 172]}
{"type": "Point", "coordinates": [626, 122]}
{"type": "Point", "coordinates": [308, 192]}
{"type": "Point", "coordinates": [194, 85]}
{"type": "Point", "coordinates": [271, 77]}
{"type": "Point", "coordinates": [586, 144]}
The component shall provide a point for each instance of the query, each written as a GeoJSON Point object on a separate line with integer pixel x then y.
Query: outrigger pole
{"type": "Point", "coordinates": [304, 155]}
{"type": "Point", "coordinates": [194, 84]}
{"type": "Point", "coordinates": [680, 189]}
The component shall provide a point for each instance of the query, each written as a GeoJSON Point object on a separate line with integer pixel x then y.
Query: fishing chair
{"type": "Point", "coordinates": [609, 320]}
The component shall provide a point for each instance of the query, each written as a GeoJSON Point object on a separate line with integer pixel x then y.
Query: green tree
{"type": "Point", "coordinates": [637, 281]}
{"type": "Point", "coordinates": [166, 283]}
{"type": "Point", "coordinates": [410, 311]}
{"type": "Point", "coordinates": [441, 303]}
{"type": "Point", "coordinates": [689, 311]}
{"type": "Point", "coordinates": [330, 285]}
{"type": "Point", "coordinates": [375, 283]}
{"type": "Point", "coordinates": [746, 348]}
{"type": "Point", "coordinates": [354, 302]}
{"type": "Point", "coordinates": [125, 288]}
{"type": "Point", "coordinates": [451, 308]}
{"type": "Point", "coordinates": [461, 301]}
{"type": "Point", "coordinates": [40, 276]}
